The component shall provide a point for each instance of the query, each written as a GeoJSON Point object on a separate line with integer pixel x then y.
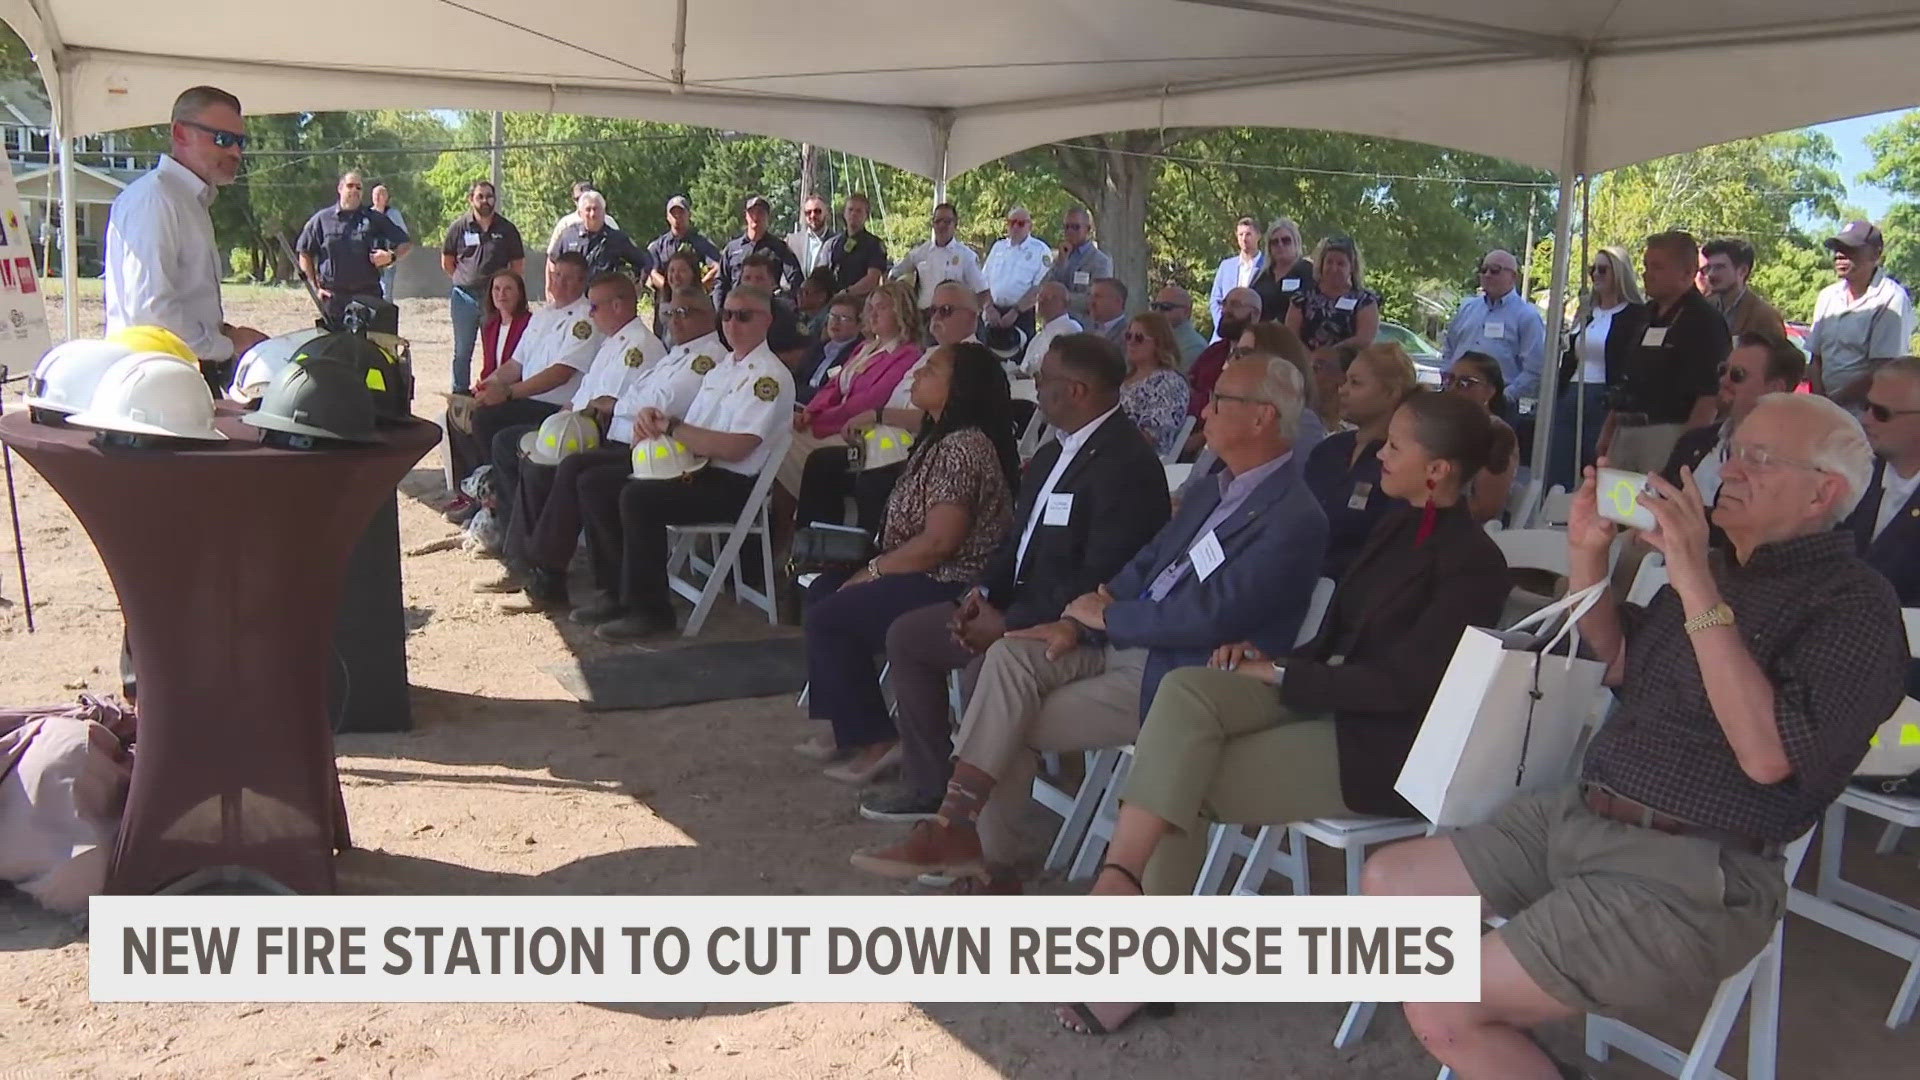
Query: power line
{"type": "Point", "coordinates": [1220, 162]}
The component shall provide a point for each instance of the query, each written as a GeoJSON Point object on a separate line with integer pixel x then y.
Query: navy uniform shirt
{"type": "Point", "coordinates": [736, 253]}
{"type": "Point", "coordinates": [668, 245]}
{"type": "Point", "coordinates": [608, 249]}
{"type": "Point", "coordinates": [1349, 492]}
{"type": "Point", "coordinates": [342, 243]}
{"type": "Point", "coordinates": [481, 251]}
{"type": "Point", "coordinates": [851, 256]}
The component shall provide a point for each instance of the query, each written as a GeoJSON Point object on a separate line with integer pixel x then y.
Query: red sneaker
{"type": "Point", "coordinates": [932, 847]}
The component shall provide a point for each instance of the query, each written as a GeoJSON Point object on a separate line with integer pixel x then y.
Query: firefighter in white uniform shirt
{"type": "Point", "coordinates": [944, 259]}
{"type": "Point", "coordinates": [1015, 267]}
{"type": "Point", "coordinates": [628, 354]}
{"type": "Point", "coordinates": [555, 350]}
{"type": "Point", "coordinates": [743, 406]}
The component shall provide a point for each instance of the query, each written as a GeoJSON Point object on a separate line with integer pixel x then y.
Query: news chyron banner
{"type": "Point", "coordinates": [785, 948]}
{"type": "Point", "coordinates": [23, 309]}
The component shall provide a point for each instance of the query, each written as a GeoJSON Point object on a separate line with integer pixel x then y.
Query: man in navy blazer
{"type": "Point", "coordinates": [1237, 562]}
{"type": "Point", "coordinates": [1088, 501]}
{"type": "Point", "coordinates": [1887, 521]}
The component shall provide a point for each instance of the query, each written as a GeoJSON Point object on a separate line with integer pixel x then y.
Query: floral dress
{"type": "Point", "coordinates": [961, 468]}
{"type": "Point", "coordinates": [1329, 320]}
{"type": "Point", "coordinates": [1157, 405]}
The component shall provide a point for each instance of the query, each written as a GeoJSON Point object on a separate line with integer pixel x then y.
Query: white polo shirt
{"type": "Point", "coordinates": [566, 337]}
{"type": "Point", "coordinates": [1012, 271]}
{"type": "Point", "coordinates": [748, 395]}
{"type": "Point", "coordinates": [617, 363]}
{"type": "Point", "coordinates": [667, 384]}
{"type": "Point", "coordinates": [935, 264]}
{"type": "Point", "coordinates": [1847, 333]}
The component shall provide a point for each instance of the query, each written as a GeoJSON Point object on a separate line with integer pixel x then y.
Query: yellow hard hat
{"type": "Point", "coordinates": [154, 339]}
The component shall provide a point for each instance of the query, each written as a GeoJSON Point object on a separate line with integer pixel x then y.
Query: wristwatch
{"type": "Point", "coordinates": [1717, 615]}
{"type": "Point", "coordinates": [873, 567]}
{"type": "Point", "coordinates": [673, 424]}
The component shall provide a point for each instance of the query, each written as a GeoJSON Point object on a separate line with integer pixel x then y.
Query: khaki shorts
{"type": "Point", "coordinates": [1612, 918]}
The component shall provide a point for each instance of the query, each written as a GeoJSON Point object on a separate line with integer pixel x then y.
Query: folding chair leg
{"type": "Point", "coordinates": [1907, 998]}
{"type": "Point", "coordinates": [1356, 862]}
{"type": "Point", "coordinates": [1833, 834]}
{"type": "Point", "coordinates": [1111, 767]}
{"type": "Point", "coordinates": [766, 562]}
{"type": "Point", "coordinates": [1354, 1027]}
{"type": "Point", "coordinates": [1763, 1013]}
{"type": "Point", "coordinates": [1095, 788]}
{"type": "Point", "coordinates": [1889, 840]}
{"type": "Point", "coordinates": [1219, 855]}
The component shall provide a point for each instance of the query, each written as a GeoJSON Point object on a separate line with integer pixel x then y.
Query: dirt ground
{"type": "Point", "coordinates": [506, 786]}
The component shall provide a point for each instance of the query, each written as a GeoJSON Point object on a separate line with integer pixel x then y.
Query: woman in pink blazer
{"type": "Point", "coordinates": [862, 385]}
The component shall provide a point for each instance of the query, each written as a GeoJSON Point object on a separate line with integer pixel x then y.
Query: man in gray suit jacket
{"type": "Point", "coordinates": [1237, 562]}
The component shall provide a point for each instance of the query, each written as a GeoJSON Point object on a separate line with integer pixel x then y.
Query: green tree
{"type": "Point", "coordinates": [1896, 167]}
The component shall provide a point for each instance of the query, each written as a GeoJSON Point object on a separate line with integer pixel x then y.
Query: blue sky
{"type": "Point", "coordinates": [1850, 140]}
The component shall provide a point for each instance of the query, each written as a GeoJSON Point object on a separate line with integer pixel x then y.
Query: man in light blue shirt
{"type": "Point", "coordinates": [1501, 323]}
{"type": "Point", "coordinates": [1239, 270]}
{"type": "Point", "coordinates": [1079, 262]}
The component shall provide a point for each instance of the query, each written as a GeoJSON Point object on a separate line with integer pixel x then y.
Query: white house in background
{"type": "Point", "coordinates": [102, 167]}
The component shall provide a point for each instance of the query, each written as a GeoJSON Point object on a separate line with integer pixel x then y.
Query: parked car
{"type": "Point", "coordinates": [1797, 333]}
{"type": "Point", "coordinates": [1425, 354]}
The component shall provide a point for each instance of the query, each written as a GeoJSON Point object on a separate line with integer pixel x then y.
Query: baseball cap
{"type": "Point", "coordinates": [1857, 234]}
{"type": "Point", "coordinates": [680, 202]}
{"type": "Point", "coordinates": [759, 201]}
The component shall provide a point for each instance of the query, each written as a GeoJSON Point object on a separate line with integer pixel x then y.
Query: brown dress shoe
{"type": "Point", "coordinates": [932, 847]}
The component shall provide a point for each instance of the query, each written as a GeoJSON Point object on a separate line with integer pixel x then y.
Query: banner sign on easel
{"type": "Point", "coordinates": [24, 337]}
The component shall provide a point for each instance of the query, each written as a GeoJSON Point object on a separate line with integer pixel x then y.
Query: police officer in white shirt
{"type": "Point", "coordinates": [735, 421]}
{"type": "Point", "coordinates": [555, 350]}
{"type": "Point", "coordinates": [944, 259]}
{"type": "Point", "coordinates": [163, 267]}
{"type": "Point", "coordinates": [1014, 269]}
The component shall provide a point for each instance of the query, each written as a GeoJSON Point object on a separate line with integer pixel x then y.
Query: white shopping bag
{"type": "Point", "coordinates": [1511, 716]}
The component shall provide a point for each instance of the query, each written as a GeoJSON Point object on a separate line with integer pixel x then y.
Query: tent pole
{"type": "Point", "coordinates": [942, 136]}
{"type": "Point", "coordinates": [1573, 162]}
{"type": "Point", "coordinates": [69, 256]}
{"type": "Point", "coordinates": [497, 155]}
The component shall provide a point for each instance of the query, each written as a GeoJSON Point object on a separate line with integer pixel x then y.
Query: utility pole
{"type": "Point", "coordinates": [499, 154]}
{"type": "Point", "coordinates": [809, 170]}
{"type": "Point", "coordinates": [1526, 256]}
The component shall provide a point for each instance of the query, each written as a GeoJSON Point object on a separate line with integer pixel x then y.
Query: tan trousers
{"type": "Point", "coordinates": [1218, 746]}
{"type": "Point", "coordinates": [795, 463]}
{"type": "Point", "coordinates": [1024, 704]}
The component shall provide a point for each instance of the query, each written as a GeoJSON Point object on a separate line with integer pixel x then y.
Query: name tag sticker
{"type": "Point", "coordinates": [1206, 556]}
{"type": "Point", "coordinates": [1493, 330]}
{"type": "Point", "coordinates": [1291, 284]}
{"type": "Point", "coordinates": [1655, 338]}
{"type": "Point", "coordinates": [1081, 277]}
{"type": "Point", "coordinates": [1059, 510]}
{"type": "Point", "coordinates": [1346, 303]}
{"type": "Point", "coordinates": [471, 239]}
{"type": "Point", "coordinates": [1361, 492]}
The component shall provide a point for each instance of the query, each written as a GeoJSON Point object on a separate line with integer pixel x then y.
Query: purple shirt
{"type": "Point", "coordinates": [1233, 492]}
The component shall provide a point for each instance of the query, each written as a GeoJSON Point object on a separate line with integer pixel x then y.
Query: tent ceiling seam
{"type": "Point", "coordinates": [1383, 19]}
{"type": "Point", "coordinates": [564, 43]}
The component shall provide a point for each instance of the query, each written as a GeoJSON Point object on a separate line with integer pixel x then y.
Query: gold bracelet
{"type": "Point", "coordinates": [1717, 615]}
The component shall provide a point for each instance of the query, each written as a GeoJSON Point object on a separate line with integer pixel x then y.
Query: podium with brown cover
{"type": "Point", "coordinates": [229, 561]}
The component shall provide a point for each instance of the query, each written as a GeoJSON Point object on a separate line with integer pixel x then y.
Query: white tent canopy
{"type": "Point", "coordinates": [903, 82]}
{"type": "Point", "coordinates": [1577, 86]}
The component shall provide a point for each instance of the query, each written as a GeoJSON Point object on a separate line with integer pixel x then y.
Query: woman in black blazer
{"type": "Point", "coordinates": [1322, 733]}
{"type": "Point", "coordinates": [1611, 321]}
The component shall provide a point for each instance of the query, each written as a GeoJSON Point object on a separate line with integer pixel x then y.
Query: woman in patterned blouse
{"type": "Point", "coordinates": [949, 509]}
{"type": "Point", "coordinates": [1340, 310]}
{"type": "Point", "coordinates": [1155, 394]}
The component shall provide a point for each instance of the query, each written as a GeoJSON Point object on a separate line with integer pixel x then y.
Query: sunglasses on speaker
{"type": "Point", "coordinates": [225, 140]}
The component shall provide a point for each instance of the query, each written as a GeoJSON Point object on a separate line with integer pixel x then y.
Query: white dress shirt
{"type": "Point", "coordinates": [1011, 272]}
{"type": "Point", "coordinates": [749, 395]}
{"type": "Point", "coordinates": [667, 384]}
{"type": "Point", "coordinates": [1037, 348]}
{"type": "Point", "coordinates": [163, 267]}
{"type": "Point", "coordinates": [1706, 475]}
{"type": "Point", "coordinates": [1069, 446]}
{"type": "Point", "coordinates": [935, 264]}
{"type": "Point", "coordinates": [810, 249]}
{"type": "Point", "coordinates": [567, 336]}
{"type": "Point", "coordinates": [1895, 490]}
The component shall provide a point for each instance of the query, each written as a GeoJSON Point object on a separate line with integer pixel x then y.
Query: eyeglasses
{"type": "Point", "coordinates": [740, 315]}
{"type": "Point", "coordinates": [225, 140]}
{"type": "Point", "coordinates": [944, 221]}
{"type": "Point", "coordinates": [1281, 241]}
{"type": "Point", "coordinates": [1241, 352]}
{"type": "Point", "coordinates": [1163, 305]}
{"type": "Point", "coordinates": [842, 317]}
{"type": "Point", "coordinates": [1135, 337]}
{"type": "Point", "coordinates": [1021, 222]}
{"type": "Point", "coordinates": [1759, 457]}
{"type": "Point", "coordinates": [352, 187]}
{"type": "Point", "coordinates": [1599, 270]}
{"type": "Point", "coordinates": [1215, 397]}
{"type": "Point", "coordinates": [1883, 414]}
{"type": "Point", "coordinates": [679, 312]}
{"type": "Point", "coordinates": [1073, 226]}
{"type": "Point", "coordinates": [815, 211]}
{"type": "Point", "coordinates": [1461, 382]}
{"type": "Point", "coordinates": [1485, 270]}
{"type": "Point", "coordinates": [1732, 374]}
{"type": "Point", "coordinates": [945, 311]}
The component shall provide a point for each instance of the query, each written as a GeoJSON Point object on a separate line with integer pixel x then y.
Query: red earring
{"type": "Point", "coordinates": [1428, 516]}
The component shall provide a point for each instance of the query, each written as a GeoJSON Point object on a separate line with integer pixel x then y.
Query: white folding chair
{"type": "Point", "coordinates": [1031, 438]}
{"type": "Point", "coordinates": [1648, 580]}
{"type": "Point", "coordinates": [1534, 549]}
{"type": "Point", "coordinates": [1521, 498]}
{"type": "Point", "coordinates": [1179, 442]}
{"type": "Point", "coordinates": [1757, 986]}
{"type": "Point", "coordinates": [755, 519]}
{"type": "Point", "coordinates": [1556, 509]}
{"type": "Point", "coordinates": [1077, 809]}
{"type": "Point", "coordinates": [1221, 847]}
{"type": "Point", "coordinates": [1862, 914]}
{"type": "Point", "coordinates": [1177, 476]}
{"type": "Point", "coordinates": [1282, 850]}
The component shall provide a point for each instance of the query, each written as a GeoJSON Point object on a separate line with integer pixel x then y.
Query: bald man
{"type": "Point", "coordinates": [1501, 322]}
{"type": "Point", "coordinates": [1051, 303]}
